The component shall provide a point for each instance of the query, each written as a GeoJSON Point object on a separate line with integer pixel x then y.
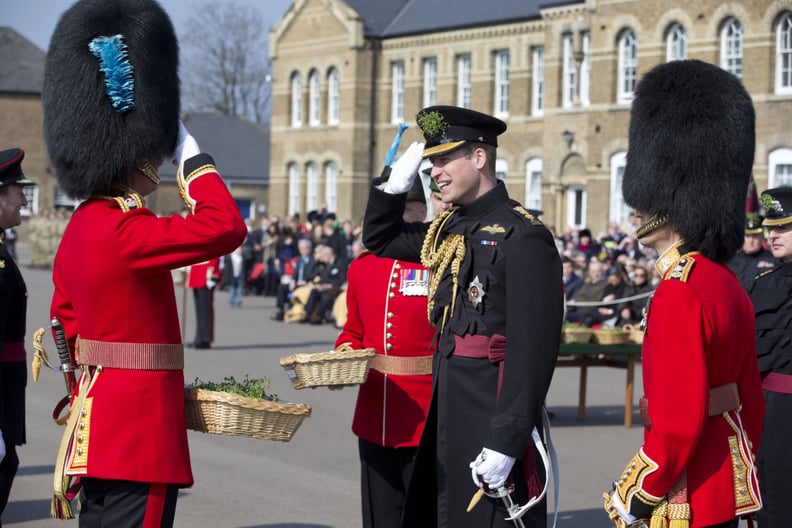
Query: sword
{"type": "Point", "coordinates": [66, 366]}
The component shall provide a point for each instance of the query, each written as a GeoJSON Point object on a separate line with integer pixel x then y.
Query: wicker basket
{"type": "Point", "coordinates": [327, 369]}
{"type": "Point", "coordinates": [611, 337]}
{"type": "Point", "coordinates": [636, 334]}
{"type": "Point", "coordinates": [234, 415]}
{"type": "Point", "coordinates": [577, 335]}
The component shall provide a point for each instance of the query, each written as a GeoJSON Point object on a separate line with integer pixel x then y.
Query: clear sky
{"type": "Point", "coordinates": [36, 19]}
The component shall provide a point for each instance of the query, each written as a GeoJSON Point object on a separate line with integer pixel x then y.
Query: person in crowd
{"type": "Point", "coordinates": [692, 137]}
{"type": "Point", "coordinates": [592, 291]}
{"type": "Point", "coordinates": [333, 238]}
{"type": "Point", "coordinates": [304, 271]}
{"type": "Point", "coordinates": [232, 277]}
{"type": "Point", "coordinates": [13, 312]}
{"type": "Point", "coordinates": [753, 259]}
{"type": "Point", "coordinates": [386, 310]}
{"type": "Point", "coordinates": [631, 312]}
{"type": "Point", "coordinates": [771, 295]}
{"type": "Point", "coordinates": [494, 266]}
{"type": "Point", "coordinates": [572, 281]}
{"type": "Point", "coordinates": [326, 286]}
{"type": "Point", "coordinates": [126, 437]}
{"type": "Point", "coordinates": [202, 279]}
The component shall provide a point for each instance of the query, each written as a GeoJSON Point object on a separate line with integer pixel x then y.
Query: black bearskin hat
{"type": "Point", "coordinates": [111, 93]}
{"type": "Point", "coordinates": [691, 152]}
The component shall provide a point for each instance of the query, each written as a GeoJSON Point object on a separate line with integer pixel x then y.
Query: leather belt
{"type": "Point", "coordinates": [722, 399]}
{"type": "Point", "coordinates": [777, 382]}
{"type": "Point", "coordinates": [402, 365]}
{"type": "Point", "coordinates": [132, 356]}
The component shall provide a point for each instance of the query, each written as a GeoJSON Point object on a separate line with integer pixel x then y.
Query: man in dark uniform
{"type": "Point", "coordinates": [13, 310]}
{"type": "Point", "coordinates": [691, 153]}
{"type": "Point", "coordinates": [753, 259]}
{"type": "Point", "coordinates": [496, 300]}
{"type": "Point", "coordinates": [772, 299]}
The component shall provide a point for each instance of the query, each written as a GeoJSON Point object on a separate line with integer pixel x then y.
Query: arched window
{"type": "Point", "coordinates": [314, 98]}
{"type": "Point", "coordinates": [296, 100]}
{"type": "Point", "coordinates": [676, 43]}
{"type": "Point", "coordinates": [618, 210]}
{"type": "Point", "coordinates": [779, 168]}
{"type": "Point", "coordinates": [333, 97]}
{"type": "Point", "coordinates": [784, 54]}
{"type": "Point", "coordinates": [294, 188]}
{"type": "Point", "coordinates": [731, 47]}
{"type": "Point", "coordinates": [331, 186]}
{"type": "Point", "coordinates": [311, 187]}
{"type": "Point", "coordinates": [533, 184]}
{"type": "Point", "coordinates": [628, 64]}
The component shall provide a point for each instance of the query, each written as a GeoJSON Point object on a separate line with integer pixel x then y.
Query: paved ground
{"type": "Point", "coordinates": [312, 481]}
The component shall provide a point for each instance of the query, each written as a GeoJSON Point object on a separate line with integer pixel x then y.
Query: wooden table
{"type": "Point", "coordinates": [594, 355]}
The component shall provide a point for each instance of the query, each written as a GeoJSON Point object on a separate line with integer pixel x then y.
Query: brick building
{"type": "Point", "coordinates": [560, 73]}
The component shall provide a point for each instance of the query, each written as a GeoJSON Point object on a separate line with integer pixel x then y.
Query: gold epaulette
{"type": "Point", "coordinates": [127, 203]}
{"type": "Point", "coordinates": [681, 271]}
{"type": "Point", "coordinates": [528, 216]}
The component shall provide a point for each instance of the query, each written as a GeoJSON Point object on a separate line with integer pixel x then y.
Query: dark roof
{"type": "Point", "coordinates": [23, 64]}
{"type": "Point", "coordinates": [392, 18]}
{"type": "Point", "coordinates": [239, 147]}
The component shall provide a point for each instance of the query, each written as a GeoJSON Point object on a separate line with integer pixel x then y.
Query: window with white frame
{"type": "Point", "coordinates": [502, 83]}
{"type": "Point", "coordinates": [331, 186]}
{"type": "Point", "coordinates": [429, 82]}
{"type": "Point", "coordinates": [568, 71]}
{"type": "Point", "coordinates": [31, 195]}
{"type": "Point", "coordinates": [62, 199]}
{"type": "Point", "coordinates": [538, 81]}
{"type": "Point", "coordinates": [618, 211]}
{"type": "Point", "coordinates": [585, 70]}
{"type": "Point", "coordinates": [311, 187]}
{"type": "Point", "coordinates": [731, 47]}
{"type": "Point", "coordinates": [784, 54]}
{"type": "Point", "coordinates": [533, 184]}
{"type": "Point", "coordinates": [501, 169]}
{"type": "Point", "coordinates": [628, 64]}
{"type": "Point", "coordinates": [676, 43]}
{"type": "Point", "coordinates": [577, 197]}
{"type": "Point", "coordinates": [779, 168]}
{"type": "Point", "coordinates": [333, 97]}
{"type": "Point", "coordinates": [314, 98]}
{"type": "Point", "coordinates": [296, 100]}
{"type": "Point", "coordinates": [397, 92]}
{"type": "Point", "coordinates": [294, 188]}
{"type": "Point", "coordinates": [463, 81]}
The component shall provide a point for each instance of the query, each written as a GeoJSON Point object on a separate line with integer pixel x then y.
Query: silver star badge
{"type": "Point", "coordinates": [476, 292]}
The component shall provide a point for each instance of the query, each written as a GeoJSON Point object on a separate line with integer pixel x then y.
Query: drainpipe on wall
{"type": "Point", "coordinates": [372, 139]}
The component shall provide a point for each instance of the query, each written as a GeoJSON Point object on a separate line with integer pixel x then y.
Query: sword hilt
{"type": "Point", "coordinates": [64, 355]}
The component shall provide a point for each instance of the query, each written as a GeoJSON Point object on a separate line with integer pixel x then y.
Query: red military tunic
{"type": "Point", "coordinates": [112, 277]}
{"type": "Point", "coordinates": [199, 273]}
{"type": "Point", "coordinates": [699, 335]}
{"type": "Point", "coordinates": [386, 303]}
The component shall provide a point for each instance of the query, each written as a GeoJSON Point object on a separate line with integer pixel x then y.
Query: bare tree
{"type": "Point", "coordinates": [225, 64]}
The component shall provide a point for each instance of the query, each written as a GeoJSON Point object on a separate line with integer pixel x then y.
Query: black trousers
{"type": "Point", "coordinates": [774, 463]}
{"type": "Point", "coordinates": [8, 470]}
{"type": "Point", "coordinates": [384, 476]}
{"type": "Point", "coordinates": [124, 504]}
{"type": "Point", "coordinates": [204, 315]}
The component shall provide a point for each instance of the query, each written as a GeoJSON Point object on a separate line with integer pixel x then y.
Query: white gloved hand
{"type": "Point", "coordinates": [2, 447]}
{"type": "Point", "coordinates": [186, 146]}
{"type": "Point", "coordinates": [491, 467]}
{"type": "Point", "coordinates": [404, 171]}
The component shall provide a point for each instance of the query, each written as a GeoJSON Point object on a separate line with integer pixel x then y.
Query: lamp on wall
{"type": "Point", "coordinates": [568, 138]}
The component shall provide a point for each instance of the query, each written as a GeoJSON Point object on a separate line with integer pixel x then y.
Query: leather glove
{"type": "Point", "coordinates": [186, 146]}
{"type": "Point", "coordinates": [2, 447]}
{"type": "Point", "coordinates": [491, 467]}
{"type": "Point", "coordinates": [404, 171]}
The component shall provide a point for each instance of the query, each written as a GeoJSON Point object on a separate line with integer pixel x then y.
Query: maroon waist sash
{"type": "Point", "coordinates": [13, 352]}
{"type": "Point", "coordinates": [777, 382]}
{"type": "Point", "coordinates": [492, 348]}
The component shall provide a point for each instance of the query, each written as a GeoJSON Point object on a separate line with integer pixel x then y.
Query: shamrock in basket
{"type": "Point", "coordinates": [241, 408]}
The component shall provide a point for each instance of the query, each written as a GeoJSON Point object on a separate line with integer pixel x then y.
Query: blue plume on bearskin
{"type": "Point", "coordinates": [119, 83]}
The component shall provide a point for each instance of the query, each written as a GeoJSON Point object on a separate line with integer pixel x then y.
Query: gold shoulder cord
{"type": "Point", "coordinates": [451, 251]}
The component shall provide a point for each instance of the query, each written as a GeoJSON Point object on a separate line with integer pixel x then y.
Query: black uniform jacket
{"type": "Point", "coordinates": [13, 365]}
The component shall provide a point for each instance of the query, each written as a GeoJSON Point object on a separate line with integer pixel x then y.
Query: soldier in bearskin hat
{"type": "Point", "coordinates": [691, 150]}
{"type": "Point", "coordinates": [771, 295]}
{"type": "Point", "coordinates": [111, 118]}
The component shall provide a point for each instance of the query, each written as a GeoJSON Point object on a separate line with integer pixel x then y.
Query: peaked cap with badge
{"type": "Point", "coordinates": [691, 152]}
{"type": "Point", "coordinates": [446, 128]}
{"type": "Point", "coordinates": [110, 94]}
{"type": "Point", "coordinates": [11, 168]}
{"type": "Point", "coordinates": [778, 206]}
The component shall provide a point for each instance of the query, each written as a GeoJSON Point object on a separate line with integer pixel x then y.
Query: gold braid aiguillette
{"type": "Point", "coordinates": [450, 251]}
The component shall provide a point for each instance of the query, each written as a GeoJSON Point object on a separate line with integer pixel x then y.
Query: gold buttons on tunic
{"type": "Point", "coordinates": [388, 346]}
